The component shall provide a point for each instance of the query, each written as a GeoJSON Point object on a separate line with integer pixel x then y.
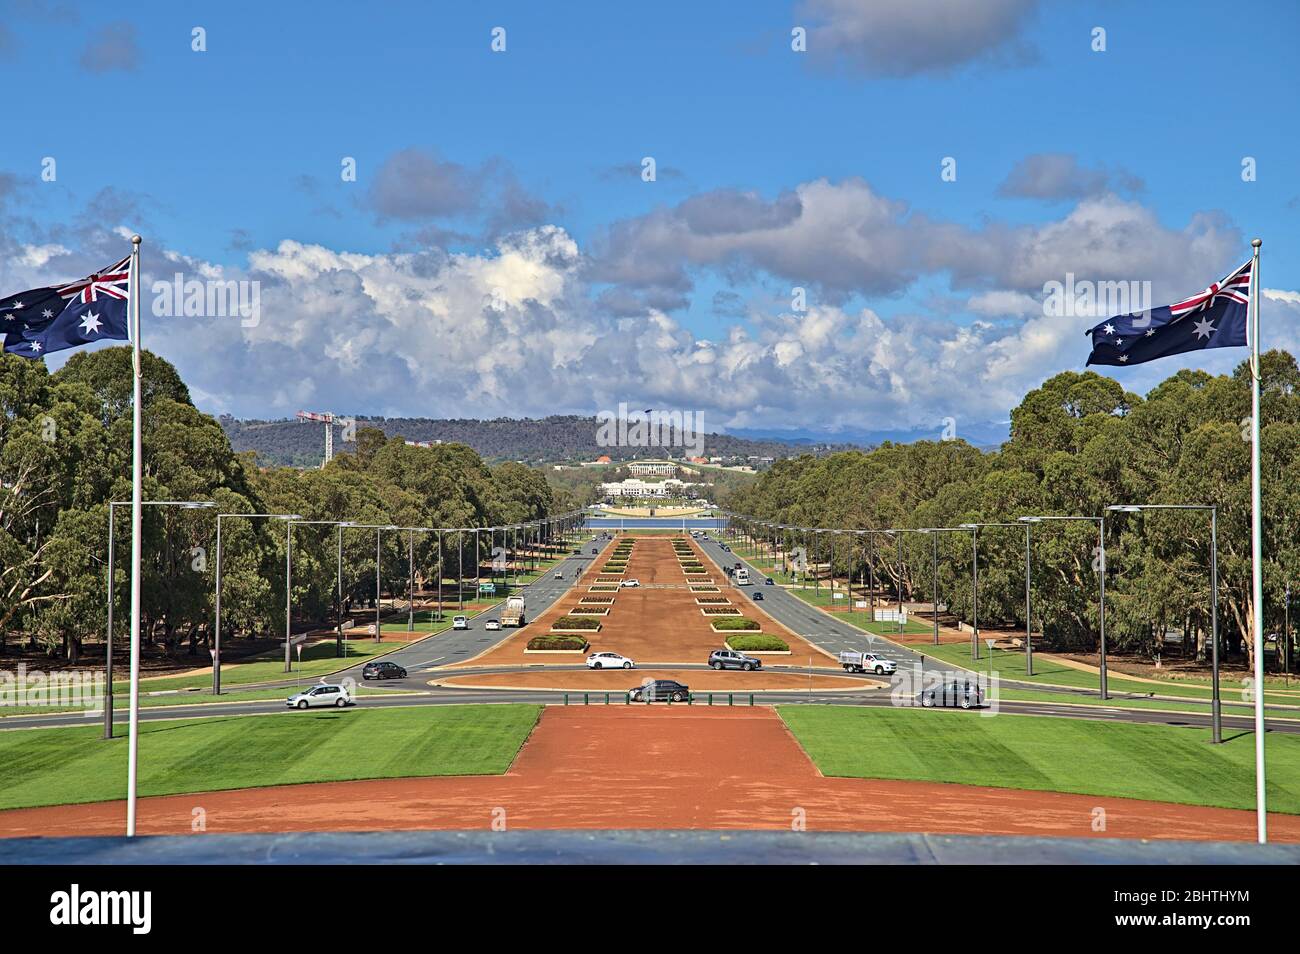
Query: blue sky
{"type": "Point", "coordinates": [218, 157]}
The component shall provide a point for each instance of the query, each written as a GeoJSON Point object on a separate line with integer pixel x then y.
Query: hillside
{"type": "Point", "coordinates": [532, 441]}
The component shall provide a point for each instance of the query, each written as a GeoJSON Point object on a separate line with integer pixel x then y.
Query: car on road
{"type": "Point", "coordinates": [593, 551]}
{"type": "Point", "coordinates": [609, 661]}
{"type": "Point", "coordinates": [769, 582]}
{"type": "Point", "coordinates": [725, 547]}
{"type": "Point", "coordinates": [382, 669]}
{"type": "Point", "coordinates": [867, 662]}
{"type": "Point", "coordinates": [730, 659]}
{"type": "Point", "coordinates": [326, 694]}
{"type": "Point", "coordinates": [660, 690]}
{"type": "Point", "coordinates": [492, 624]}
{"type": "Point", "coordinates": [631, 582]}
{"type": "Point", "coordinates": [964, 694]}
{"type": "Point", "coordinates": [559, 574]}
{"type": "Point", "coordinates": [460, 622]}
{"type": "Point", "coordinates": [756, 595]}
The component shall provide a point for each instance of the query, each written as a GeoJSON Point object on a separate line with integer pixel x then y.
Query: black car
{"type": "Point", "coordinates": [950, 692]}
{"type": "Point", "coordinates": [757, 594]}
{"type": "Point", "coordinates": [382, 670]}
{"type": "Point", "coordinates": [661, 690]}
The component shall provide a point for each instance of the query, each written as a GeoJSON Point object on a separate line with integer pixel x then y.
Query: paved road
{"type": "Point", "coordinates": [446, 696]}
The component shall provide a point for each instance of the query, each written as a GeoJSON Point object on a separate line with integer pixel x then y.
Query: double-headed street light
{"type": "Point", "coordinates": [974, 529]}
{"type": "Point", "coordinates": [1101, 578]}
{"type": "Point", "coordinates": [108, 650]}
{"type": "Point", "coordinates": [216, 633]}
{"type": "Point", "coordinates": [1216, 717]}
{"type": "Point", "coordinates": [288, 579]}
{"type": "Point", "coordinates": [935, 532]}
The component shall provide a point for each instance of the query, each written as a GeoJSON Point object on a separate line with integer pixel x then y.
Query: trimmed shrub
{"type": "Point", "coordinates": [757, 643]}
{"type": "Point", "coordinates": [576, 643]}
{"type": "Point", "coordinates": [737, 623]}
{"type": "Point", "coordinates": [719, 611]}
{"type": "Point", "coordinates": [576, 622]}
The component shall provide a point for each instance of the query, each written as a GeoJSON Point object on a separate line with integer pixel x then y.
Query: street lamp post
{"type": "Point", "coordinates": [1101, 578]}
{"type": "Point", "coordinates": [975, 528]}
{"type": "Point", "coordinates": [216, 633]}
{"type": "Point", "coordinates": [288, 579]}
{"type": "Point", "coordinates": [108, 647]}
{"type": "Point", "coordinates": [1216, 716]}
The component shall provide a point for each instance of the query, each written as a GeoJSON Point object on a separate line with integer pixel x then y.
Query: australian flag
{"type": "Point", "coordinates": [1216, 318]}
{"type": "Point", "coordinates": [42, 320]}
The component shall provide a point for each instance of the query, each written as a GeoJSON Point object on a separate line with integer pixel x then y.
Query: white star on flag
{"type": "Point", "coordinates": [1123, 357]}
{"type": "Point", "coordinates": [9, 317]}
{"type": "Point", "coordinates": [1109, 329]}
{"type": "Point", "coordinates": [47, 313]}
{"type": "Point", "coordinates": [90, 324]}
{"type": "Point", "coordinates": [1203, 328]}
{"type": "Point", "coordinates": [36, 346]}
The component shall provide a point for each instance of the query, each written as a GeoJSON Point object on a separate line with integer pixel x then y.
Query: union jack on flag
{"type": "Point", "coordinates": [1215, 318]}
{"type": "Point", "coordinates": [112, 282]}
{"type": "Point", "coordinates": [43, 320]}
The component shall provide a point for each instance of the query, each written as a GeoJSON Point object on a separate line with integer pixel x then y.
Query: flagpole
{"type": "Point", "coordinates": [1256, 547]}
{"type": "Point", "coordinates": [137, 471]}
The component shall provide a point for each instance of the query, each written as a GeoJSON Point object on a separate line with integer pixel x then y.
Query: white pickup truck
{"type": "Point", "coordinates": [867, 662]}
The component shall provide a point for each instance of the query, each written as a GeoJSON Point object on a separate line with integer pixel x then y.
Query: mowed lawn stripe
{"type": "Point", "coordinates": [68, 766]}
{"type": "Point", "coordinates": [1041, 753]}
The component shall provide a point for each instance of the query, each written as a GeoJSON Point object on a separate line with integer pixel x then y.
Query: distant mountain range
{"type": "Point", "coordinates": [534, 441]}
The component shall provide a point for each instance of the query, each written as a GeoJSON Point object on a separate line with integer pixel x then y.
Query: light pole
{"type": "Point", "coordinates": [974, 529]}
{"type": "Point", "coordinates": [108, 648]}
{"type": "Point", "coordinates": [1216, 716]}
{"type": "Point", "coordinates": [216, 633]}
{"type": "Point", "coordinates": [288, 580]}
{"type": "Point", "coordinates": [935, 532]}
{"type": "Point", "coordinates": [1101, 578]}
{"type": "Point", "coordinates": [898, 531]}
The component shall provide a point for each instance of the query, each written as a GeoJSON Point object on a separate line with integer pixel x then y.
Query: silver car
{"type": "Point", "coordinates": [326, 694]}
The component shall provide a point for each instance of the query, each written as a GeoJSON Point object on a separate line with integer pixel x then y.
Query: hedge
{"type": "Point", "coordinates": [558, 642]}
{"type": "Point", "coordinates": [735, 623]}
{"type": "Point", "coordinates": [576, 622]}
{"type": "Point", "coordinates": [719, 611]}
{"type": "Point", "coordinates": [757, 643]}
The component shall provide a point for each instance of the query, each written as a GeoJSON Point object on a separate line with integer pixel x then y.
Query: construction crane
{"type": "Point", "coordinates": [329, 420]}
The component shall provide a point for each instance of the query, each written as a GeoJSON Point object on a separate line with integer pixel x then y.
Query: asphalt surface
{"type": "Point", "coordinates": [424, 659]}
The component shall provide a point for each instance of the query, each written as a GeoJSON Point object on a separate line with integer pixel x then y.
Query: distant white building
{"type": "Point", "coordinates": [652, 468]}
{"type": "Point", "coordinates": [635, 487]}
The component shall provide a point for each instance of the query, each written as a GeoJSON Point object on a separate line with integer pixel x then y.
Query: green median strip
{"type": "Point", "coordinates": [69, 766]}
{"type": "Point", "coordinates": [1040, 753]}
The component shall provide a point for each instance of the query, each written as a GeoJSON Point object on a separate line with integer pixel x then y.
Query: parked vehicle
{"type": "Point", "coordinates": [632, 582]}
{"type": "Point", "coordinates": [609, 661]}
{"type": "Point", "coordinates": [730, 659]}
{"type": "Point", "coordinates": [867, 662]}
{"type": "Point", "coordinates": [513, 614]}
{"type": "Point", "coordinates": [381, 669]}
{"type": "Point", "coordinates": [950, 692]}
{"type": "Point", "coordinates": [661, 690]}
{"type": "Point", "coordinates": [492, 624]}
{"type": "Point", "coordinates": [325, 694]}
{"type": "Point", "coordinates": [460, 622]}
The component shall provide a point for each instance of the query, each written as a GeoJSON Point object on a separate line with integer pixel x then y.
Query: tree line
{"type": "Point", "coordinates": [65, 453]}
{"type": "Point", "coordinates": [1078, 444]}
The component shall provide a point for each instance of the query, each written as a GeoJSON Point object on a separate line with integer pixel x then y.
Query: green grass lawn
{"type": "Point", "coordinates": [1108, 759]}
{"type": "Point", "coordinates": [1010, 664]}
{"type": "Point", "coordinates": [65, 766]}
{"type": "Point", "coordinates": [1229, 707]}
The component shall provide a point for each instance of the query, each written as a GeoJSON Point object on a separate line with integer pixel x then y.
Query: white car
{"type": "Point", "coordinates": [322, 695]}
{"type": "Point", "coordinates": [609, 661]}
{"type": "Point", "coordinates": [631, 582]}
{"type": "Point", "coordinates": [460, 622]}
{"type": "Point", "coordinates": [492, 624]}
